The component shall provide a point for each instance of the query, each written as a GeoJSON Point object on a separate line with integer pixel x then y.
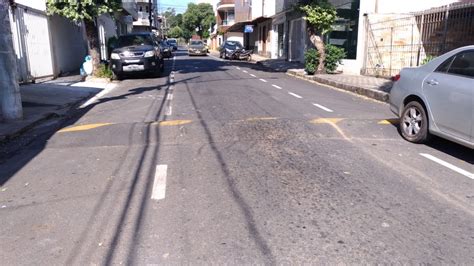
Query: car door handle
{"type": "Point", "coordinates": [432, 82]}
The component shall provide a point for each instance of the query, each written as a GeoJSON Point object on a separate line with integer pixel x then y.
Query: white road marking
{"type": "Point", "coordinates": [275, 86]}
{"type": "Point", "coordinates": [159, 184]}
{"type": "Point", "coordinates": [295, 95]}
{"type": "Point", "coordinates": [448, 165]}
{"type": "Point", "coordinates": [108, 88]}
{"type": "Point", "coordinates": [253, 75]}
{"type": "Point", "coordinates": [170, 97]}
{"type": "Point", "coordinates": [245, 71]}
{"type": "Point", "coordinates": [238, 68]}
{"type": "Point", "coordinates": [262, 80]}
{"type": "Point", "coordinates": [323, 107]}
{"type": "Point", "coordinates": [169, 111]}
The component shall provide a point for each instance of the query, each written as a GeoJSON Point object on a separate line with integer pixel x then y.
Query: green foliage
{"type": "Point", "coordinates": [78, 10]}
{"type": "Point", "coordinates": [320, 15]}
{"type": "Point", "coordinates": [187, 34]}
{"type": "Point", "coordinates": [334, 56]}
{"type": "Point", "coordinates": [199, 18]}
{"type": "Point", "coordinates": [427, 59]}
{"type": "Point", "coordinates": [311, 61]}
{"type": "Point", "coordinates": [176, 32]}
{"type": "Point", "coordinates": [104, 71]}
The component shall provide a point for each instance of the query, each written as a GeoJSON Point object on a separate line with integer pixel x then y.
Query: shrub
{"type": "Point", "coordinates": [427, 59]}
{"type": "Point", "coordinates": [334, 56]}
{"type": "Point", "coordinates": [104, 71]}
{"type": "Point", "coordinates": [311, 61]}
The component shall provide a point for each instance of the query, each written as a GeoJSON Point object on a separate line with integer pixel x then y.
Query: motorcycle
{"type": "Point", "coordinates": [241, 54]}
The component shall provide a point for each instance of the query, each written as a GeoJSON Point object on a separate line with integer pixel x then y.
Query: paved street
{"type": "Point", "coordinates": [227, 162]}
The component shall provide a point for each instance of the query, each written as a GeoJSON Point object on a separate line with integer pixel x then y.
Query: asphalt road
{"type": "Point", "coordinates": [224, 162]}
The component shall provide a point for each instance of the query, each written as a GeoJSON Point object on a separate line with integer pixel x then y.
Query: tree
{"type": "Point", "coordinates": [320, 16]}
{"type": "Point", "coordinates": [86, 11]}
{"type": "Point", "coordinates": [199, 18]}
{"type": "Point", "coordinates": [9, 90]}
{"type": "Point", "coordinates": [175, 32]}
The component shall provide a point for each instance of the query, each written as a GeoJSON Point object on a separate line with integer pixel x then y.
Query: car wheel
{"type": "Point", "coordinates": [116, 76]}
{"type": "Point", "coordinates": [414, 123]}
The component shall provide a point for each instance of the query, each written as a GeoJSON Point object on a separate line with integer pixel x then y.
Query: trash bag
{"type": "Point", "coordinates": [87, 67]}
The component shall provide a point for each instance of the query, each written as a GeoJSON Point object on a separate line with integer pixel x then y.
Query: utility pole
{"type": "Point", "coordinates": [150, 15]}
{"type": "Point", "coordinates": [10, 98]}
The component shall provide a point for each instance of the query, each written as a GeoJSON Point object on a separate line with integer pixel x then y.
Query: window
{"type": "Point", "coordinates": [345, 29]}
{"type": "Point", "coordinates": [463, 64]}
{"type": "Point", "coordinates": [443, 68]}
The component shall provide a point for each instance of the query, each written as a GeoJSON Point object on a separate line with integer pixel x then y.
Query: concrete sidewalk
{"type": "Point", "coordinates": [50, 99]}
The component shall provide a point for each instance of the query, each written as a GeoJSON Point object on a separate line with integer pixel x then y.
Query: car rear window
{"type": "Point", "coordinates": [196, 43]}
{"type": "Point", "coordinates": [463, 64]}
{"type": "Point", "coordinates": [130, 40]}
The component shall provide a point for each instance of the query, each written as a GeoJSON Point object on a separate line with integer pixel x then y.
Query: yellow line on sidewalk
{"type": "Point", "coordinates": [83, 127]}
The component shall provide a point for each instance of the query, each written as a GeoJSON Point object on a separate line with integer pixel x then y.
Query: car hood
{"type": "Point", "coordinates": [134, 48]}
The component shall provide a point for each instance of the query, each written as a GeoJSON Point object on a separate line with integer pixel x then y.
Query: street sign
{"type": "Point", "coordinates": [248, 29]}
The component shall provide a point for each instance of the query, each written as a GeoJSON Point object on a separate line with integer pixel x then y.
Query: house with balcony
{"type": "Point", "coordinates": [231, 17]}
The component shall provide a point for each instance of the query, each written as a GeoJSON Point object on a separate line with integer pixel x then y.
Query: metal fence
{"type": "Point", "coordinates": [397, 41]}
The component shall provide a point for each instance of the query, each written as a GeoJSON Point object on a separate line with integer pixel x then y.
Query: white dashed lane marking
{"type": "Point", "coordinates": [159, 184]}
{"type": "Point", "coordinates": [275, 86]}
{"type": "Point", "coordinates": [262, 80]}
{"type": "Point", "coordinates": [295, 95]}
{"type": "Point", "coordinates": [323, 108]}
{"type": "Point", "coordinates": [448, 165]}
{"type": "Point", "coordinates": [245, 71]}
{"type": "Point", "coordinates": [253, 75]}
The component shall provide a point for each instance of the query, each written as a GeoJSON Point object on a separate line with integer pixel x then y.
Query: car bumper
{"type": "Point", "coordinates": [197, 52]}
{"type": "Point", "coordinates": [132, 65]}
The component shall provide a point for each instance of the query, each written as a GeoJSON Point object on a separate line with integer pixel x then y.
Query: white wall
{"type": "Point", "coordinates": [268, 8]}
{"type": "Point", "coordinates": [36, 4]}
{"type": "Point", "coordinates": [70, 46]}
{"type": "Point", "coordinates": [235, 36]}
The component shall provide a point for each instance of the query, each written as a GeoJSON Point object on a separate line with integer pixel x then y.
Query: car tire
{"type": "Point", "coordinates": [414, 123]}
{"type": "Point", "coordinates": [116, 76]}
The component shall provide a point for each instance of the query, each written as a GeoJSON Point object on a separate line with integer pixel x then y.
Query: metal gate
{"type": "Point", "coordinates": [297, 40]}
{"type": "Point", "coordinates": [32, 43]}
{"type": "Point", "coordinates": [398, 41]}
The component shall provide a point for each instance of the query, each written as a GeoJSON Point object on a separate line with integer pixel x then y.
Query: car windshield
{"type": "Point", "coordinates": [233, 45]}
{"type": "Point", "coordinates": [172, 41]}
{"type": "Point", "coordinates": [196, 43]}
{"type": "Point", "coordinates": [130, 40]}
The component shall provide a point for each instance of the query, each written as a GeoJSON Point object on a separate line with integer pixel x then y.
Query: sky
{"type": "Point", "coordinates": [178, 5]}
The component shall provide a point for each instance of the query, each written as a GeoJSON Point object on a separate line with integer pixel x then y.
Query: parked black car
{"type": "Point", "coordinates": [228, 48]}
{"type": "Point", "coordinates": [166, 49]}
{"type": "Point", "coordinates": [137, 52]}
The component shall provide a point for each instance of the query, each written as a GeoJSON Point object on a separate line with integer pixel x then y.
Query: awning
{"type": "Point", "coordinates": [239, 26]}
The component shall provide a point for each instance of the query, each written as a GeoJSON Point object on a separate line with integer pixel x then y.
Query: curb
{"type": "Point", "coordinates": [371, 93]}
{"type": "Point", "coordinates": [63, 113]}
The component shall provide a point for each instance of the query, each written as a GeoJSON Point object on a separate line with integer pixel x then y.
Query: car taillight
{"type": "Point", "coordinates": [396, 77]}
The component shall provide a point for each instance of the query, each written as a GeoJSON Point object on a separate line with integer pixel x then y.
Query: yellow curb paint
{"type": "Point", "coordinates": [392, 121]}
{"type": "Point", "coordinates": [83, 127]}
{"type": "Point", "coordinates": [260, 118]}
{"type": "Point", "coordinates": [174, 122]}
{"type": "Point", "coordinates": [326, 120]}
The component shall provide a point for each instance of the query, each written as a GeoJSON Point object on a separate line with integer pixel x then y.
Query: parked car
{"type": "Point", "coordinates": [437, 98]}
{"type": "Point", "coordinates": [228, 48]}
{"type": "Point", "coordinates": [136, 52]}
{"type": "Point", "coordinates": [197, 47]}
{"type": "Point", "coordinates": [174, 43]}
{"type": "Point", "coordinates": [166, 49]}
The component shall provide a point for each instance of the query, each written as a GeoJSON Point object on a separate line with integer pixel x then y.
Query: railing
{"type": "Point", "coordinates": [395, 42]}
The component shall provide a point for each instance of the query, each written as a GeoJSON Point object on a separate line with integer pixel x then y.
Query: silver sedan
{"type": "Point", "coordinates": [437, 98]}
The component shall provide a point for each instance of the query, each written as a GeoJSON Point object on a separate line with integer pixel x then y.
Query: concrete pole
{"type": "Point", "coordinates": [10, 98]}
